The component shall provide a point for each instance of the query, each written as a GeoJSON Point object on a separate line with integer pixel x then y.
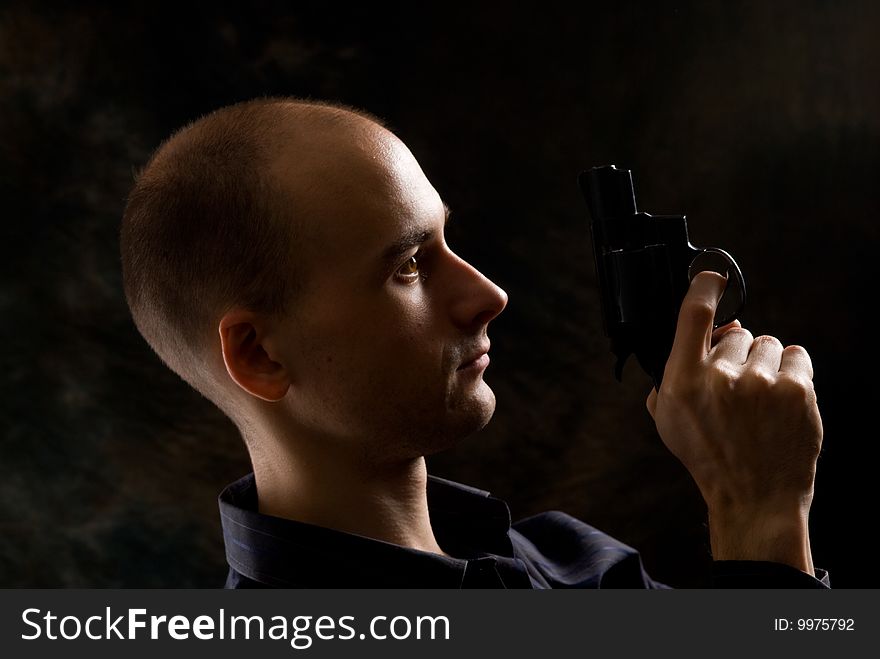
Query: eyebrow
{"type": "Point", "coordinates": [411, 238]}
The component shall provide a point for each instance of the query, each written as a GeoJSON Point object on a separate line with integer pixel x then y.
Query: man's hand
{"type": "Point", "coordinates": [741, 415]}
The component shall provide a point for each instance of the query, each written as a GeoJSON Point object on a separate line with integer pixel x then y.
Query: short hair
{"type": "Point", "coordinates": [206, 228]}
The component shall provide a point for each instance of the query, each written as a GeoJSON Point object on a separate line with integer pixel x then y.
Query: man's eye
{"type": "Point", "coordinates": [409, 269]}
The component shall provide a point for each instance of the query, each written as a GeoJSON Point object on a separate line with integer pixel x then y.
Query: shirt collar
{"type": "Point", "coordinates": [467, 523]}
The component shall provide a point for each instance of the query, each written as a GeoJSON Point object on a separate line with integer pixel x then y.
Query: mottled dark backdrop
{"type": "Point", "coordinates": [759, 120]}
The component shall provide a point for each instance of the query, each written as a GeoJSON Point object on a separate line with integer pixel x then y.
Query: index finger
{"type": "Point", "coordinates": [693, 334]}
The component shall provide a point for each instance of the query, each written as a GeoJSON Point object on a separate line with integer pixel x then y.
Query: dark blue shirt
{"type": "Point", "coordinates": [550, 550]}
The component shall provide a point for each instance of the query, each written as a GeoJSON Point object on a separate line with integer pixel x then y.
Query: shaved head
{"type": "Point", "coordinates": [221, 217]}
{"type": "Point", "coordinates": [288, 259]}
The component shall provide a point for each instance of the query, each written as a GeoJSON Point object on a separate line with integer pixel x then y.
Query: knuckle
{"type": "Point", "coordinates": [798, 358]}
{"type": "Point", "coordinates": [756, 381]}
{"type": "Point", "coordinates": [722, 371]}
{"type": "Point", "coordinates": [767, 340]}
{"type": "Point", "coordinates": [740, 332]}
{"type": "Point", "coordinates": [723, 378]}
{"type": "Point", "coordinates": [701, 311]}
{"type": "Point", "coordinates": [794, 387]}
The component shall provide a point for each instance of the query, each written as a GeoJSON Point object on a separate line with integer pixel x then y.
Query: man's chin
{"type": "Point", "coordinates": [471, 416]}
{"type": "Point", "coordinates": [487, 411]}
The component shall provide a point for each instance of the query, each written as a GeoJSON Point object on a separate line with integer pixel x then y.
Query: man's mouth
{"type": "Point", "coordinates": [477, 361]}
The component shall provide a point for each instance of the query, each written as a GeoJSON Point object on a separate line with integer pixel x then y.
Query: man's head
{"type": "Point", "coordinates": [287, 259]}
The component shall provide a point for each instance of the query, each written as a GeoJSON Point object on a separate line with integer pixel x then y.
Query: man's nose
{"type": "Point", "coordinates": [476, 300]}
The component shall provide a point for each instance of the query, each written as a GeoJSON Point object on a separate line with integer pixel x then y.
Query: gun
{"type": "Point", "coordinates": [644, 265]}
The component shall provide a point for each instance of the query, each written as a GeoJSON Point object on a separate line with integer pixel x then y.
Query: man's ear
{"type": "Point", "coordinates": [247, 362]}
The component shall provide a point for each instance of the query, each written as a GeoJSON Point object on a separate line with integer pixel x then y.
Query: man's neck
{"type": "Point", "coordinates": [388, 503]}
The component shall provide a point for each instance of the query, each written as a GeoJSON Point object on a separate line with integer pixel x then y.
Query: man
{"type": "Point", "coordinates": [287, 259]}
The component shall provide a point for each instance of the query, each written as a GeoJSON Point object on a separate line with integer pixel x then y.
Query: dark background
{"type": "Point", "coordinates": [759, 120]}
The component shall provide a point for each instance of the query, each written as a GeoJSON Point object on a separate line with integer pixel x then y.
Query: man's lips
{"type": "Point", "coordinates": [478, 359]}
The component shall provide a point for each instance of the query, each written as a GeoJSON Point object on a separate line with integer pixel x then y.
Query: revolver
{"type": "Point", "coordinates": [644, 265]}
